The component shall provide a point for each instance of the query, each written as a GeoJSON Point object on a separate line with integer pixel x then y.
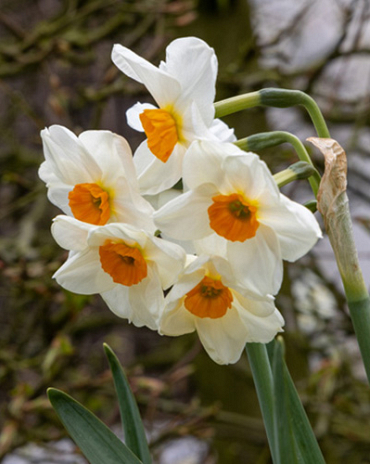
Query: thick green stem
{"type": "Point", "coordinates": [263, 380]}
{"type": "Point", "coordinates": [332, 202]}
{"type": "Point", "coordinates": [360, 314]}
{"type": "Point", "coordinates": [270, 139]}
{"type": "Point", "coordinates": [279, 98]}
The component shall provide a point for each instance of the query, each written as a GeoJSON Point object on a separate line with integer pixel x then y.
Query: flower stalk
{"type": "Point", "coordinates": [278, 98]}
{"type": "Point", "coordinates": [296, 171]}
{"type": "Point", "coordinates": [263, 379]}
{"type": "Point", "coordinates": [270, 139]}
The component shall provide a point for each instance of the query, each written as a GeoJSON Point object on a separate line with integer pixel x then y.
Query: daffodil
{"type": "Point", "coordinates": [207, 299]}
{"type": "Point", "coordinates": [129, 267]}
{"type": "Point", "coordinates": [234, 209]}
{"type": "Point", "coordinates": [92, 177]}
{"type": "Point", "coordinates": [183, 87]}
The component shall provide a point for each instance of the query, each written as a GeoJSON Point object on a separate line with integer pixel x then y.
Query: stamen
{"type": "Point", "coordinates": [232, 217]}
{"type": "Point", "coordinates": [90, 203]}
{"type": "Point", "coordinates": [210, 298]}
{"type": "Point", "coordinates": [126, 265]}
{"type": "Point", "coordinates": [161, 130]}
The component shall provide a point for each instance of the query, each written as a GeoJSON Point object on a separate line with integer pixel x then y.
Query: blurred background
{"type": "Point", "coordinates": [55, 68]}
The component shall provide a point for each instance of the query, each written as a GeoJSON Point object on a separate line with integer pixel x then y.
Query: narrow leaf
{"type": "Point", "coordinates": [97, 443]}
{"type": "Point", "coordinates": [132, 425]}
{"type": "Point", "coordinates": [285, 443]}
{"type": "Point", "coordinates": [303, 433]}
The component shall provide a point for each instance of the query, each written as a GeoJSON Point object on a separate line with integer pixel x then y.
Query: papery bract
{"type": "Point", "coordinates": [92, 177]}
{"type": "Point", "coordinates": [234, 209]}
{"type": "Point", "coordinates": [184, 89]}
{"type": "Point", "coordinates": [208, 299]}
{"type": "Point", "coordinates": [129, 267]}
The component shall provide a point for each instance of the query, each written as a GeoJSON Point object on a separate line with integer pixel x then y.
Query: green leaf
{"type": "Point", "coordinates": [96, 441]}
{"type": "Point", "coordinates": [304, 436]}
{"type": "Point", "coordinates": [295, 434]}
{"type": "Point", "coordinates": [132, 425]}
{"type": "Point", "coordinates": [286, 449]}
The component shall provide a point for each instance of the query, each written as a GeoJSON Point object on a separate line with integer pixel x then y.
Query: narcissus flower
{"type": "Point", "coordinates": [184, 89]}
{"type": "Point", "coordinates": [234, 209]}
{"type": "Point", "coordinates": [92, 177]}
{"type": "Point", "coordinates": [207, 299]}
{"type": "Point", "coordinates": [127, 266]}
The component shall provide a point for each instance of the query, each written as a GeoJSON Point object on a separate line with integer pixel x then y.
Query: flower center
{"type": "Point", "coordinates": [90, 203]}
{"type": "Point", "coordinates": [232, 217]}
{"type": "Point", "coordinates": [126, 265]}
{"type": "Point", "coordinates": [210, 298]}
{"type": "Point", "coordinates": [161, 129]}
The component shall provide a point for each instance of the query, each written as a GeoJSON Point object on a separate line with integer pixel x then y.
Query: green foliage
{"type": "Point", "coordinates": [131, 421]}
{"type": "Point", "coordinates": [96, 441]}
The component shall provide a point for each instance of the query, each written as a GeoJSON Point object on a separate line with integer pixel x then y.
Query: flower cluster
{"type": "Point", "coordinates": [208, 258]}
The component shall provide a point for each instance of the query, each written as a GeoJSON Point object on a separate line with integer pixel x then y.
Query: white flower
{"type": "Point", "coordinates": [92, 177]}
{"type": "Point", "coordinates": [184, 89]}
{"type": "Point", "coordinates": [207, 299]}
{"type": "Point", "coordinates": [128, 266]}
{"type": "Point", "coordinates": [234, 209]}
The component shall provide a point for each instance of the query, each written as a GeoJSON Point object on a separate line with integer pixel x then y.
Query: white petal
{"type": "Point", "coordinates": [57, 190]}
{"type": "Point", "coordinates": [142, 218]}
{"type": "Point", "coordinates": [154, 176]}
{"type": "Point", "coordinates": [295, 226]}
{"type": "Point", "coordinates": [141, 304]}
{"type": "Point", "coordinates": [68, 158]}
{"type": "Point", "coordinates": [223, 338]}
{"type": "Point", "coordinates": [193, 126]}
{"type": "Point", "coordinates": [249, 174]}
{"type": "Point", "coordinates": [59, 197]}
{"type": "Point", "coordinates": [82, 274]}
{"type": "Point", "coordinates": [186, 217]}
{"type": "Point", "coordinates": [222, 131]}
{"type": "Point", "coordinates": [129, 234]}
{"type": "Point", "coordinates": [164, 88]}
{"type": "Point", "coordinates": [112, 154]}
{"type": "Point", "coordinates": [257, 262]}
{"type": "Point", "coordinates": [176, 320]}
{"type": "Point", "coordinates": [261, 329]}
{"type": "Point", "coordinates": [117, 300]}
{"type": "Point", "coordinates": [194, 64]}
{"type": "Point", "coordinates": [160, 199]}
{"type": "Point", "coordinates": [261, 306]}
{"type": "Point", "coordinates": [202, 164]}
{"type": "Point", "coordinates": [130, 207]}
{"type": "Point", "coordinates": [212, 245]}
{"type": "Point", "coordinates": [185, 283]}
{"type": "Point", "coordinates": [147, 301]}
{"type": "Point", "coordinates": [70, 233]}
{"type": "Point", "coordinates": [133, 113]}
{"type": "Point", "coordinates": [169, 259]}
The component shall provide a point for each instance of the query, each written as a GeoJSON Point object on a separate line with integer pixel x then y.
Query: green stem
{"type": "Point", "coordinates": [360, 314]}
{"type": "Point", "coordinates": [299, 170]}
{"type": "Point", "coordinates": [263, 380]}
{"type": "Point", "coordinates": [270, 139]}
{"type": "Point", "coordinates": [238, 103]}
{"type": "Point", "coordinates": [279, 98]}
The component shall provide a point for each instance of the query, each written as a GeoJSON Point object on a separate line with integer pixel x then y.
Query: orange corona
{"type": "Point", "coordinates": [90, 203]}
{"type": "Point", "coordinates": [123, 263]}
{"type": "Point", "coordinates": [232, 217]}
{"type": "Point", "coordinates": [210, 298]}
{"type": "Point", "coordinates": [161, 129]}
